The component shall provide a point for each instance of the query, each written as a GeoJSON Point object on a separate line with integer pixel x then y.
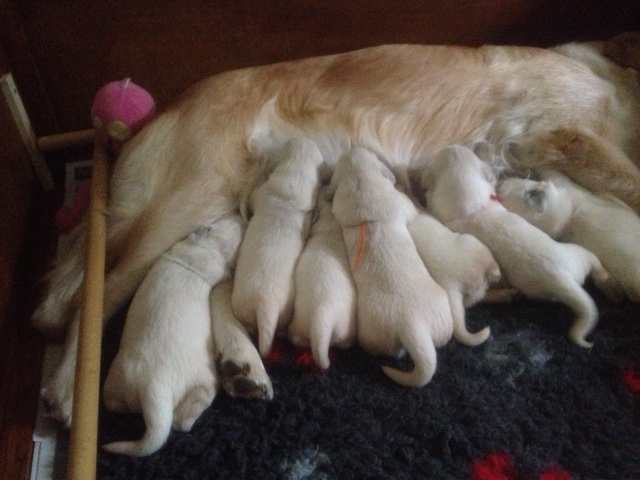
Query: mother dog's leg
{"type": "Point", "coordinates": [152, 234]}
{"type": "Point", "coordinates": [587, 158]}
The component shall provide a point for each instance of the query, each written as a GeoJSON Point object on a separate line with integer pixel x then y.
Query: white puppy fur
{"type": "Point", "coordinates": [263, 289]}
{"type": "Point", "coordinates": [325, 299]}
{"type": "Point", "coordinates": [461, 264]}
{"type": "Point", "coordinates": [570, 213]}
{"type": "Point", "coordinates": [240, 367]}
{"type": "Point", "coordinates": [164, 366]}
{"type": "Point", "coordinates": [460, 192]}
{"type": "Point", "coordinates": [399, 305]}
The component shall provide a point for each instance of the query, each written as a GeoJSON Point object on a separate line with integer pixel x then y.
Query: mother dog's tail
{"type": "Point", "coordinates": [416, 339]}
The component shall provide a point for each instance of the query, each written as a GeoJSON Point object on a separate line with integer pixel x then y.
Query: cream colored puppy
{"type": "Point", "coordinates": [325, 300]}
{"type": "Point", "coordinates": [570, 213]}
{"type": "Point", "coordinates": [239, 365]}
{"type": "Point", "coordinates": [164, 367]}
{"type": "Point", "coordinates": [263, 289]}
{"type": "Point", "coordinates": [461, 264]}
{"type": "Point", "coordinates": [460, 192]}
{"type": "Point", "coordinates": [399, 305]}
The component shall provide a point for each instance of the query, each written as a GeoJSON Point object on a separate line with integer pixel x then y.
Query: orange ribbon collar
{"type": "Point", "coordinates": [361, 246]}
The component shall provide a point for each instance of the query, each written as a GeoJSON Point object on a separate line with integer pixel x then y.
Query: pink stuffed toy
{"type": "Point", "coordinates": [120, 109]}
{"type": "Point", "coordinates": [67, 216]}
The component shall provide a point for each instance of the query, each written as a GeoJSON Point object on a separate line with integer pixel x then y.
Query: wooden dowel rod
{"type": "Point", "coordinates": [84, 426]}
{"type": "Point", "coordinates": [64, 140]}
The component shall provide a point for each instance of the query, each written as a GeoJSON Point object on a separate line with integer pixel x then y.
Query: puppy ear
{"type": "Point", "coordinates": [199, 233]}
{"type": "Point", "coordinates": [386, 172]}
{"type": "Point", "coordinates": [426, 179]}
{"type": "Point", "coordinates": [245, 207]}
{"type": "Point", "coordinates": [489, 174]}
{"type": "Point", "coordinates": [536, 198]}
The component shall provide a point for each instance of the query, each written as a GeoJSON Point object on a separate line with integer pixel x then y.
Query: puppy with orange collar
{"type": "Point", "coordinates": [399, 305]}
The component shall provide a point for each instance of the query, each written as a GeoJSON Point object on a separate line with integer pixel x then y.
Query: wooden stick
{"type": "Point", "coordinates": [84, 427]}
{"type": "Point", "coordinates": [64, 140]}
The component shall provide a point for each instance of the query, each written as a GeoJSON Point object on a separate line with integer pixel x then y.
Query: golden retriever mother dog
{"type": "Point", "coordinates": [568, 108]}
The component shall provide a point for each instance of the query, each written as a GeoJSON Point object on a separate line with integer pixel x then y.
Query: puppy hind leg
{"type": "Point", "coordinates": [606, 283]}
{"type": "Point", "coordinates": [237, 359]}
{"type": "Point", "coordinates": [415, 337]}
{"type": "Point", "coordinates": [195, 401]}
{"type": "Point", "coordinates": [460, 331]}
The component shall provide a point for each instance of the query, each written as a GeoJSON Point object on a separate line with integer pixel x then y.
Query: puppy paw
{"type": "Point", "coordinates": [58, 400]}
{"type": "Point", "coordinates": [244, 380]}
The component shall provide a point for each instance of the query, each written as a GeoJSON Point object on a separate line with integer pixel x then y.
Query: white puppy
{"type": "Point", "coordinates": [399, 304]}
{"type": "Point", "coordinates": [263, 289]}
{"type": "Point", "coordinates": [239, 365]}
{"type": "Point", "coordinates": [325, 300]}
{"type": "Point", "coordinates": [164, 366]}
{"type": "Point", "coordinates": [570, 213]}
{"type": "Point", "coordinates": [461, 264]}
{"type": "Point", "coordinates": [460, 192]}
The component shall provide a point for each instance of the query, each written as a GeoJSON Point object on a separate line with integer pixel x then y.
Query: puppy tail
{"type": "Point", "coordinates": [417, 340]}
{"type": "Point", "coordinates": [578, 300]}
{"type": "Point", "coordinates": [321, 340]}
{"type": "Point", "coordinates": [157, 410]}
{"type": "Point", "coordinates": [267, 321]}
{"type": "Point", "coordinates": [460, 331]}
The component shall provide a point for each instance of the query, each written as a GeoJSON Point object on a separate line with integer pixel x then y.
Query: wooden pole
{"type": "Point", "coordinates": [84, 427]}
{"type": "Point", "coordinates": [64, 140]}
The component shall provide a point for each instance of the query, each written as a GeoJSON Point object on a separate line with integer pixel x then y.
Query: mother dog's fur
{"type": "Point", "coordinates": [190, 164]}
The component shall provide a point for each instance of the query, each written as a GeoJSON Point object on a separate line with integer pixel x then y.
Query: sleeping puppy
{"type": "Point", "coordinates": [164, 366]}
{"type": "Point", "coordinates": [325, 300]}
{"type": "Point", "coordinates": [263, 288]}
{"type": "Point", "coordinates": [239, 365]}
{"type": "Point", "coordinates": [570, 213]}
{"type": "Point", "coordinates": [460, 264]}
{"type": "Point", "coordinates": [460, 192]}
{"type": "Point", "coordinates": [570, 109]}
{"type": "Point", "coordinates": [399, 305]}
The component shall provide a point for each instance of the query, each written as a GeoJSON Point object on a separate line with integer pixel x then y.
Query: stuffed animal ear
{"type": "Point", "coordinates": [536, 198]}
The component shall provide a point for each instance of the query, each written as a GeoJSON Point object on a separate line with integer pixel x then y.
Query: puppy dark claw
{"type": "Point", "coordinates": [236, 383]}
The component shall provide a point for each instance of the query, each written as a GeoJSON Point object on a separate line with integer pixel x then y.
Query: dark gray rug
{"type": "Point", "coordinates": [527, 404]}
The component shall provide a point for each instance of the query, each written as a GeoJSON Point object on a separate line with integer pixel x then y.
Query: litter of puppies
{"type": "Point", "coordinates": [354, 260]}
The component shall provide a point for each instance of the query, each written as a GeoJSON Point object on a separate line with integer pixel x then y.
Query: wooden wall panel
{"type": "Point", "coordinates": [167, 45]}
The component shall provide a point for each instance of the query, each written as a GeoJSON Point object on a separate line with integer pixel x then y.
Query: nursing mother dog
{"type": "Point", "coordinates": [569, 108]}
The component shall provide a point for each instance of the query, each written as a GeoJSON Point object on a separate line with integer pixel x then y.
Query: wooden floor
{"type": "Point", "coordinates": [22, 347]}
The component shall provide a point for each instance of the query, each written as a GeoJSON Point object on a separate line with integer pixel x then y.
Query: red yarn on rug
{"type": "Point", "coordinates": [495, 466]}
{"type": "Point", "coordinates": [276, 354]}
{"type": "Point", "coordinates": [632, 379]}
{"type": "Point", "coordinates": [556, 474]}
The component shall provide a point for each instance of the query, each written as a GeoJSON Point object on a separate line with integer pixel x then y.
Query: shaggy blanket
{"type": "Point", "coordinates": [527, 404]}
